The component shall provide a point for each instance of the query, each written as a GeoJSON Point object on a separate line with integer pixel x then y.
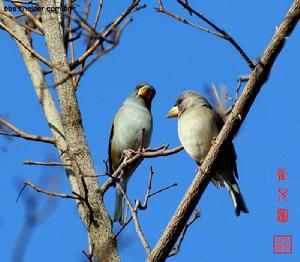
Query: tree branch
{"type": "Point", "coordinates": [218, 31]}
{"type": "Point", "coordinates": [106, 34]}
{"type": "Point", "coordinates": [94, 213]}
{"type": "Point", "coordinates": [176, 249]}
{"type": "Point", "coordinates": [49, 193]}
{"type": "Point", "coordinates": [37, 163]}
{"type": "Point", "coordinates": [136, 156]}
{"type": "Point", "coordinates": [257, 78]}
{"type": "Point", "coordinates": [135, 218]}
{"type": "Point", "coordinates": [22, 134]}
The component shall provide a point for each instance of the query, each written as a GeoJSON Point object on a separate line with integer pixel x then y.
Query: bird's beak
{"type": "Point", "coordinates": [173, 112]}
{"type": "Point", "coordinates": [145, 92]}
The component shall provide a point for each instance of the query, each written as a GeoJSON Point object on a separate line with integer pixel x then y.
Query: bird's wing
{"type": "Point", "coordinates": [109, 149]}
{"type": "Point", "coordinates": [220, 124]}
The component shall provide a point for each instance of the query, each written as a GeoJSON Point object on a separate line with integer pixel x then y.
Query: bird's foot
{"type": "Point", "coordinates": [199, 163]}
{"type": "Point", "coordinates": [213, 141]}
{"type": "Point", "coordinates": [129, 153]}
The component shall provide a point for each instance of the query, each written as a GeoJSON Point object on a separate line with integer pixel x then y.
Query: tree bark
{"type": "Point", "coordinates": [93, 212]}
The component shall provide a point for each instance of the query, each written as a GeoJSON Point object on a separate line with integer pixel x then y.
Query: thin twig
{"type": "Point", "coordinates": [135, 157]}
{"type": "Point", "coordinates": [154, 149]}
{"type": "Point", "coordinates": [49, 193]}
{"type": "Point", "coordinates": [163, 189]}
{"type": "Point", "coordinates": [31, 17]}
{"type": "Point", "coordinates": [68, 25]}
{"type": "Point", "coordinates": [20, 23]}
{"type": "Point", "coordinates": [144, 206]}
{"type": "Point", "coordinates": [134, 211]}
{"type": "Point", "coordinates": [216, 93]}
{"type": "Point", "coordinates": [123, 226]}
{"type": "Point", "coordinates": [22, 134]}
{"type": "Point", "coordinates": [180, 19]}
{"type": "Point", "coordinates": [146, 198]}
{"type": "Point", "coordinates": [219, 32]}
{"type": "Point", "coordinates": [22, 2]}
{"type": "Point", "coordinates": [106, 34]}
{"type": "Point", "coordinates": [89, 254]}
{"type": "Point", "coordinates": [28, 48]}
{"type": "Point", "coordinates": [103, 52]}
{"type": "Point", "coordinates": [240, 81]}
{"type": "Point", "coordinates": [188, 224]}
{"type": "Point", "coordinates": [30, 162]}
{"type": "Point", "coordinates": [99, 9]}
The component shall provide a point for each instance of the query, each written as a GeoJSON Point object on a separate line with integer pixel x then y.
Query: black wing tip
{"type": "Point", "coordinates": [238, 210]}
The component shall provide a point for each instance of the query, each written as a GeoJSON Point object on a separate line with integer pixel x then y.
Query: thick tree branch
{"type": "Point", "coordinates": [257, 78]}
{"type": "Point", "coordinates": [94, 215]}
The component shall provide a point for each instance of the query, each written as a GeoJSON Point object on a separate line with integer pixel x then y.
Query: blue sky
{"type": "Point", "coordinates": [172, 57]}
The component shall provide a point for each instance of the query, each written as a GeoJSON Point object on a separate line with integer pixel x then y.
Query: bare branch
{"type": "Point", "coordinates": [31, 17]}
{"type": "Point", "coordinates": [218, 31]}
{"type": "Point", "coordinates": [49, 193]}
{"type": "Point", "coordinates": [106, 34]}
{"type": "Point", "coordinates": [144, 206]}
{"type": "Point", "coordinates": [29, 162]}
{"type": "Point", "coordinates": [98, 14]}
{"type": "Point", "coordinates": [180, 19]}
{"type": "Point", "coordinates": [176, 249]}
{"type": "Point", "coordinates": [149, 194]}
{"type": "Point", "coordinates": [22, 134]}
{"type": "Point", "coordinates": [28, 48]}
{"type": "Point", "coordinates": [147, 153]}
{"type": "Point", "coordinates": [20, 23]}
{"type": "Point", "coordinates": [134, 211]}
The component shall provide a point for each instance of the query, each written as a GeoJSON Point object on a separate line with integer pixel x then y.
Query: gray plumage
{"type": "Point", "coordinates": [198, 125]}
{"type": "Point", "coordinates": [126, 133]}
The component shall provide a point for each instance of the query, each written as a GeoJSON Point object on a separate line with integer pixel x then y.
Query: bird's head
{"type": "Point", "coordinates": [186, 101]}
{"type": "Point", "coordinates": [144, 93]}
{"type": "Point", "coordinates": [147, 92]}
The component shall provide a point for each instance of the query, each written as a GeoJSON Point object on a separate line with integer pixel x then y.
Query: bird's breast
{"type": "Point", "coordinates": [196, 131]}
{"type": "Point", "coordinates": [128, 125]}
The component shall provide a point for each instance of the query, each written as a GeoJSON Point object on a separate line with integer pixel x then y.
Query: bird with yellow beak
{"type": "Point", "coordinates": [198, 125]}
{"type": "Point", "coordinates": [126, 134]}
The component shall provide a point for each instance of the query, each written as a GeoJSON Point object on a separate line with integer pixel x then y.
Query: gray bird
{"type": "Point", "coordinates": [126, 134]}
{"type": "Point", "coordinates": [198, 125]}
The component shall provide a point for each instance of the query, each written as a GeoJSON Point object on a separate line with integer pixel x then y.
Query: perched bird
{"type": "Point", "coordinates": [126, 134]}
{"type": "Point", "coordinates": [198, 125]}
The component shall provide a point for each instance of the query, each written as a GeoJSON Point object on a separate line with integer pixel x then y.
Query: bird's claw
{"type": "Point", "coordinates": [129, 153]}
{"type": "Point", "coordinates": [213, 141]}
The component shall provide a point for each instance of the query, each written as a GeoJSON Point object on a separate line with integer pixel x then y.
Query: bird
{"type": "Point", "coordinates": [132, 126]}
{"type": "Point", "coordinates": [198, 126]}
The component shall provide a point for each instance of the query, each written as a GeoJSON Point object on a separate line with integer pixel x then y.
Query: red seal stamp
{"type": "Point", "coordinates": [282, 244]}
{"type": "Point", "coordinates": [282, 215]}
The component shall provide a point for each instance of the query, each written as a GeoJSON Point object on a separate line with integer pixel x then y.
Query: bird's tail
{"type": "Point", "coordinates": [119, 202]}
{"type": "Point", "coordinates": [236, 196]}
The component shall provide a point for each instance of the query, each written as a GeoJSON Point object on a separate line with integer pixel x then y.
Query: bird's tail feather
{"type": "Point", "coordinates": [237, 198]}
{"type": "Point", "coordinates": [119, 202]}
